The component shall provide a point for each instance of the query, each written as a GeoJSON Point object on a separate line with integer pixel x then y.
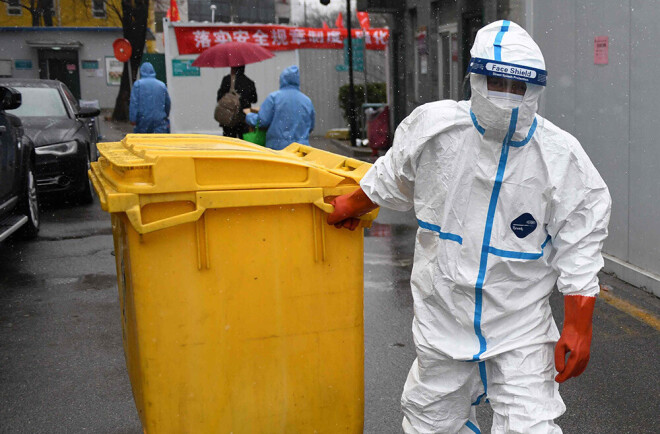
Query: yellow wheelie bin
{"type": "Point", "coordinates": [241, 308]}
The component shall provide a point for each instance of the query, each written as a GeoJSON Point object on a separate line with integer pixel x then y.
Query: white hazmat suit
{"type": "Point", "coordinates": [508, 205]}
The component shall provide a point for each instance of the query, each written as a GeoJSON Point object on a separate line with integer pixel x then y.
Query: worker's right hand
{"type": "Point", "coordinates": [348, 208]}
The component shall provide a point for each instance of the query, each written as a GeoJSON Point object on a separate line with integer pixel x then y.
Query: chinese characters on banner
{"type": "Point", "coordinates": [194, 40]}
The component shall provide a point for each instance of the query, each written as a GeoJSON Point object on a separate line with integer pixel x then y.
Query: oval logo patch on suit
{"type": "Point", "coordinates": [523, 225]}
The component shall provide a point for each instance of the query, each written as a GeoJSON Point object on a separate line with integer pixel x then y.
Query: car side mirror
{"type": "Point", "coordinates": [15, 121]}
{"type": "Point", "coordinates": [88, 112]}
{"type": "Point", "coordinates": [9, 98]}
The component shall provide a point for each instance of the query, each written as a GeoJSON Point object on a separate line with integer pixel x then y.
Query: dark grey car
{"type": "Point", "coordinates": [19, 204]}
{"type": "Point", "coordinates": [64, 141]}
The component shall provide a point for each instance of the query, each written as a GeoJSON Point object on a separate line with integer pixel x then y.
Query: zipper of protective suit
{"type": "Point", "coordinates": [483, 263]}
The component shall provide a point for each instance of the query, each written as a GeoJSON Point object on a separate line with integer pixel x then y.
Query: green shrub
{"type": "Point", "coordinates": [376, 93]}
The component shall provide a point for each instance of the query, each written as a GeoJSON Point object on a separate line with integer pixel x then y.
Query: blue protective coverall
{"type": "Point", "coordinates": [150, 103]}
{"type": "Point", "coordinates": [288, 113]}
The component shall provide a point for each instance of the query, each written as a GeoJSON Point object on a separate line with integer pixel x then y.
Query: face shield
{"type": "Point", "coordinates": [505, 92]}
{"type": "Point", "coordinates": [506, 82]}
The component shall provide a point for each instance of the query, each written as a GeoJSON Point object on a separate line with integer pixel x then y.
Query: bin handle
{"type": "Point", "coordinates": [324, 206]}
{"type": "Point", "coordinates": [366, 219]}
{"type": "Point", "coordinates": [135, 217]}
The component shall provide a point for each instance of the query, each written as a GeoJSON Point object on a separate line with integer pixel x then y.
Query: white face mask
{"type": "Point", "coordinates": [505, 100]}
{"type": "Point", "coordinates": [495, 117]}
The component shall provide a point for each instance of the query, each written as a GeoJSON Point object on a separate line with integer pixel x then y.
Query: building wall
{"type": "Point", "coordinates": [96, 46]}
{"type": "Point", "coordinates": [282, 11]}
{"type": "Point", "coordinates": [414, 86]}
{"type": "Point", "coordinates": [612, 110]}
{"type": "Point", "coordinates": [244, 11]}
{"type": "Point", "coordinates": [321, 82]}
{"type": "Point", "coordinates": [68, 13]}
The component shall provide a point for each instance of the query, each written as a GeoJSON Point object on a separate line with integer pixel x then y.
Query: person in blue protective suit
{"type": "Point", "coordinates": [508, 206]}
{"type": "Point", "coordinates": [288, 113]}
{"type": "Point", "coordinates": [150, 103]}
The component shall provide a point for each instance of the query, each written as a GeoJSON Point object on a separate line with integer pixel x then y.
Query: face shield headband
{"type": "Point", "coordinates": [495, 68]}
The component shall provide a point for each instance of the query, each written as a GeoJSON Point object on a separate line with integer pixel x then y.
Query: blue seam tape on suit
{"type": "Point", "coordinates": [473, 427]}
{"type": "Point", "coordinates": [518, 255]}
{"type": "Point", "coordinates": [484, 381]}
{"type": "Point", "coordinates": [476, 124]}
{"type": "Point", "coordinates": [443, 235]}
{"type": "Point", "coordinates": [514, 255]}
{"type": "Point", "coordinates": [530, 133]}
{"type": "Point", "coordinates": [516, 144]}
{"type": "Point", "coordinates": [498, 40]}
{"type": "Point", "coordinates": [485, 247]}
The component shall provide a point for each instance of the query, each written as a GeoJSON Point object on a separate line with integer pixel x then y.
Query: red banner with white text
{"type": "Point", "coordinates": [195, 39]}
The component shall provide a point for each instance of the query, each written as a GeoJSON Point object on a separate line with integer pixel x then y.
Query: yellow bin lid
{"type": "Point", "coordinates": [161, 164]}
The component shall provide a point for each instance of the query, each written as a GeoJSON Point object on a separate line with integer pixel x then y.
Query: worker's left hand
{"type": "Point", "coordinates": [575, 337]}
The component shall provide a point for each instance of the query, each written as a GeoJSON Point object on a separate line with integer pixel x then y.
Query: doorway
{"type": "Point", "coordinates": [448, 77]}
{"type": "Point", "coordinates": [60, 65]}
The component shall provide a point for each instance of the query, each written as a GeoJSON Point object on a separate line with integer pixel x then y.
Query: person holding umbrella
{"type": "Point", "coordinates": [235, 55]}
{"type": "Point", "coordinates": [247, 91]}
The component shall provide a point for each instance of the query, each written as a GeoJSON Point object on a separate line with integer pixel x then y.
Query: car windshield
{"type": "Point", "coordinates": [40, 102]}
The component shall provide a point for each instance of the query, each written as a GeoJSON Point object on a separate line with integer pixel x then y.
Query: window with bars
{"type": "Point", "coordinates": [98, 9]}
{"type": "Point", "coordinates": [14, 7]}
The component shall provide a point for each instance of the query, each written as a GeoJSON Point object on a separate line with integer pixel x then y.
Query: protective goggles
{"type": "Point", "coordinates": [495, 68]}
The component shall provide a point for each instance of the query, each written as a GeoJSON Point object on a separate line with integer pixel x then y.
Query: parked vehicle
{"type": "Point", "coordinates": [64, 143]}
{"type": "Point", "coordinates": [19, 204]}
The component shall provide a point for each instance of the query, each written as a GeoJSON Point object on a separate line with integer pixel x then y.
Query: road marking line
{"type": "Point", "coordinates": [630, 309]}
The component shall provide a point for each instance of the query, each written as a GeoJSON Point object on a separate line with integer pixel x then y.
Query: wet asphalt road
{"type": "Point", "coordinates": [61, 358]}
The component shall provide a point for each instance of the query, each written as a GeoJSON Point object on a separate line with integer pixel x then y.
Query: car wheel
{"type": "Point", "coordinates": [29, 205]}
{"type": "Point", "coordinates": [85, 195]}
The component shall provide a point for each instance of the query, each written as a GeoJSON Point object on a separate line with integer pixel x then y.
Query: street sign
{"type": "Point", "coordinates": [184, 68]}
{"type": "Point", "coordinates": [90, 64]}
{"type": "Point", "coordinates": [23, 64]}
{"type": "Point", "coordinates": [358, 55]}
{"type": "Point", "coordinates": [357, 46]}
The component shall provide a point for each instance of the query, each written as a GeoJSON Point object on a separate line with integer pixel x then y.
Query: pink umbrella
{"type": "Point", "coordinates": [232, 54]}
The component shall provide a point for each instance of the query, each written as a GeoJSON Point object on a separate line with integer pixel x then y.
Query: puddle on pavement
{"type": "Point", "coordinates": [388, 257]}
{"type": "Point", "coordinates": [98, 281]}
{"type": "Point", "coordinates": [378, 230]}
{"type": "Point", "coordinates": [84, 283]}
{"type": "Point", "coordinates": [55, 281]}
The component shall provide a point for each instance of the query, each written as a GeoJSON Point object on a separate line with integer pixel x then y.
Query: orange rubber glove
{"type": "Point", "coordinates": [348, 208]}
{"type": "Point", "coordinates": [575, 337]}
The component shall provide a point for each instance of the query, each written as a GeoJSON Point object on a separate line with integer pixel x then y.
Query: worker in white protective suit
{"type": "Point", "coordinates": [508, 206]}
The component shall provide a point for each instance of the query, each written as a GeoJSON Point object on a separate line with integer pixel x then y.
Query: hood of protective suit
{"type": "Point", "coordinates": [290, 77]}
{"type": "Point", "coordinates": [505, 41]}
{"type": "Point", "coordinates": [147, 70]}
{"type": "Point", "coordinates": [150, 103]}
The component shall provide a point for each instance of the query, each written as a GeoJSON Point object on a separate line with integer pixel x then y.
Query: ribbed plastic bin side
{"type": "Point", "coordinates": [241, 308]}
